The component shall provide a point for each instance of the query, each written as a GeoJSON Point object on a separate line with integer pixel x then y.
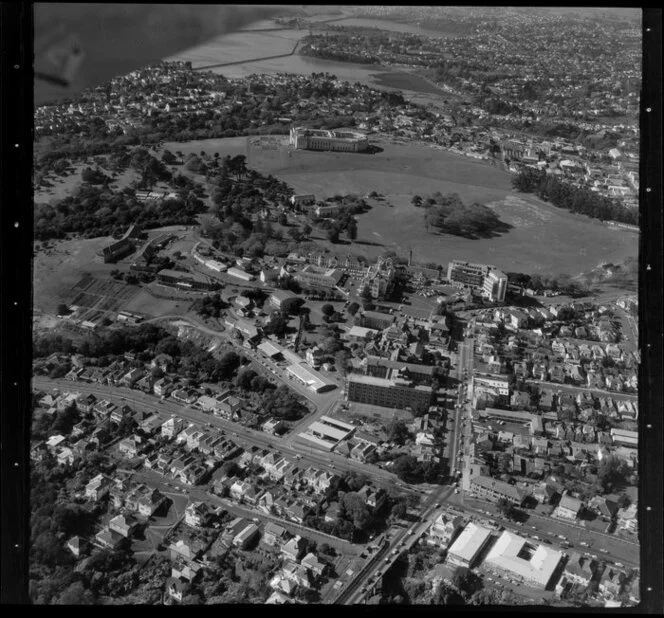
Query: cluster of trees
{"type": "Point", "coordinates": [92, 211]}
{"type": "Point", "coordinates": [283, 404]}
{"type": "Point", "coordinates": [450, 215]}
{"type": "Point", "coordinates": [540, 282]}
{"type": "Point", "coordinates": [146, 341]}
{"type": "Point", "coordinates": [575, 199]}
{"type": "Point", "coordinates": [238, 193]}
{"type": "Point", "coordinates": [210, 306]}
{"type": "Point", "coordinates": [409, 470]}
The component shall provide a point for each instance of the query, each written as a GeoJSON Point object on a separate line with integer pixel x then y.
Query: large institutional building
{"type": "Point", "coordinates": [393, 391]}
{"type": "Point", "coordinates": [343, 140]}
{"type": "Point", "coordinates": [487, 280]}
{"type": "Point", "coordinates": [379, 278]}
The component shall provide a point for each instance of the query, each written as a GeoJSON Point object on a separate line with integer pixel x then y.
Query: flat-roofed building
{"type": "Point", "coordinates": [239, 274]}
{"type": "Point", "coordinates": [495, 489]}
{"type": "Point", "coordinates": [284, 299]}
{"type": "Point", "coordinates": [185, 280]}
{"type": "Point", "coordinates": [388, 393]}
{"type": "Point", "coordinates": [313, 276]}
{"type": "Point", "coordinates": [339, 140]}
{"type": "Point", "coordinates": [534, 564]}
{"type": "Point", "coordinates": [468, 545]}
{"type": "Point", "coordinates": [380, 367]}
{"type": "Point", "coordinates": [309, 377]}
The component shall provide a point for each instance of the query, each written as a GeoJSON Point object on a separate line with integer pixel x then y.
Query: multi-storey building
{"type": "Point", "coordinates": [485, 279]}
{"type": "Point", "coordinates": [311, 276]}
{"type": "Point", "coordinates": [323, 139]}
{"type": "Point", "coordinates": [391, 392]}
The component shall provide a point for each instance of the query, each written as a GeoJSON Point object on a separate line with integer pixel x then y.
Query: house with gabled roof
{"type": "Point", "coordinates": [293, 549]}
{"type": "Point", "coordinates": [568, 507]}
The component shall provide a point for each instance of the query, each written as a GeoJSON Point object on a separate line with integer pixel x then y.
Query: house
{"type": "Point", "coordinates": [177, 588]}
{"type": "Point", "coordinates": [332, 512]}
{"type": "Point", "coordinates": [580, 569]}
{"type": "Point", "coordinates": [197, 514]}
{"type": "Point", "coordinates": [274, 536]}
{"type": "Point", "coordinates": [611, 582]}
{"type": "Point", "coordinates": [311, 562]}
{"type": "Point", "coordinates": [108, 539]}
{"type": "Point", "coordinates": [172, 427]}
{"type": "Point", "coordinates": [163, 387]}
{"type": "Point", "coordinates": [605, 506]}
{"type": "Point", "coordinates": [273, 426]}
{"type": "Point", "coordinates": [125, 525]}
{"type": "Point", "coordinates": [444, 529]}
{"type": "Point", "coordinates": [568, 507]}
{"type": "Point", "coordinates": [77, 546]}
{"type": "Point", "coordinates": [295, 512]}
{"type": "Point", "coordinates": [129, 447]}
{"type": "Point", "coordinates": [294, 548]}
{"type": "Point", "coordinates": [373, 498]}
{"type": "Point", "coordinates": [150, 502]}
{"type": "Point", "coordinates": [246, 536]}
{"type": "Point", "coordinates": [188, 548]}
{"type": "Point", "coordinates": [98, 487]}
{"type": "Point", "coordinates": [187, 571]}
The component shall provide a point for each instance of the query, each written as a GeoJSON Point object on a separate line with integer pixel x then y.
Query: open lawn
{"type": "Point", "coordinates": [57, 270]}
{"type": "Point", "coordinates": [543, 238]}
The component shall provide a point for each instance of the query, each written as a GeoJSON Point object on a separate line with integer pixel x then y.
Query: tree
{"type": "Point", "coordinates": [62, 309]}
{"type": "Point", "coordinates": [327, 310]}
{"type": "Point", "coordinates": [466, 581]}
{"type": "Point", "coordinates": [76, 594]}
{"type": "Point", "coordinates": [333, 235]}
{"type": "Point", "coordinates": [505, 507]}
{"type": "Point", "coordinates": [399, 510]}
{"type": "Point", "coordinates": [416, 201]}
{"type": "Point", "coordinates": [612, 472]}
{"type": "Point", "coordinates": [351, 229]}
{"type": "Point", "coordinates": [397, 432]}
{"type": "Point", "coordinates": [352, 308]}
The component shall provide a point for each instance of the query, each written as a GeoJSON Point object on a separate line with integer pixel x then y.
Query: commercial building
{"type": "Point", "coordinates": [323, 139]}
{"type": "Point", "coordinates": [312, 276]}
{"type": "Point", "coordinates": [483, 278]}
{"type": "Point", "coordinates": [309, 377]}
{"type": "Point", "coordinates": [284, 300]}
{"type": "Point", "coordinates": [185, 280]}
{"type": "Point", "coordinates": [240, 274]}
{"type": "Point", "coordinates": [380, 367]}
{"type": "Point", "coordinates": [469, 544]}
{"type": "Point", "coordinates": [625, 437]}
{"type": "Point", "coordinates": [394, 392]}
{"type": "Point", "coordinates": [518, 557]}
{"type": "Point", "coordinates": [494, 489]}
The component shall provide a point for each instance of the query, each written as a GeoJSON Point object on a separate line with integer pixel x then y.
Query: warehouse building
{"type": "Point", "coordinates": [240, 274]}
{"type": "Point", "coordinates": [465, 551]}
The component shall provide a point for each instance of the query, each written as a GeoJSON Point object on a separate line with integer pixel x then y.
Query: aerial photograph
{"type": "Point", "coordinates": [335, 305]}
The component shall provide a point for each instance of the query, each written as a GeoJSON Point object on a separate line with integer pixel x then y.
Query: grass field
{"type": "Point", "coordinates": [543, 238]}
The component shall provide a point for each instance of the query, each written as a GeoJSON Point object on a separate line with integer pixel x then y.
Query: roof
{"type": "Point", "coordinates": [361, 331]}
{"type": "Point", "coordinates": [469, 543]}
{"type": "Point", "coordinates": [517, 555]}
{"type": "Point", "coordinates": [269, 348]}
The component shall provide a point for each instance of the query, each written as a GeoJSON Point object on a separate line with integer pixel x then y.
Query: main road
{"type": "Point", "coordinates": [243, 436]}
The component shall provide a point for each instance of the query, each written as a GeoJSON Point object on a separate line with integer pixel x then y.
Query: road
{"type": "Point", "coordinates": [617, 548]}
{"type": "Point", "coordinates": [243, 436]}
{"type": "Point", "coordinates": [575, 390]}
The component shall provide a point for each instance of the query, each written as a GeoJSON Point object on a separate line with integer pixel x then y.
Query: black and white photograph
{"type": "Point", "coordinates": [337, 305]}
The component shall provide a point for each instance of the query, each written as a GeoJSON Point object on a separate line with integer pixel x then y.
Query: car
{"type": "Point", "coordinates": [584, 544]}
{"type": "Point", "coordinates": [456, 490]}
{"type": "Point", "coordinates": [604, 551]}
